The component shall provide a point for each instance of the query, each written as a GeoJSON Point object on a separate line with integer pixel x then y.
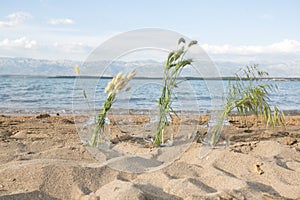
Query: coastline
{"type": "Point", "coordinates": [43, 158]}
{"type": "Point", "coordinates": [113, 111]}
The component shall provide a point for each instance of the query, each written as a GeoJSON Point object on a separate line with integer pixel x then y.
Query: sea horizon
{"type": "Point", "coordinates": [224, 78]}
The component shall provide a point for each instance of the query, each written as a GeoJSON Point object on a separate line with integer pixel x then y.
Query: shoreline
{"type": "Point", "coordinates": [116, 112]}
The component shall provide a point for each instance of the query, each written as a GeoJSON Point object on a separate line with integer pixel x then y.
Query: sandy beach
{"type": "Point", "coordinates": [42, 157]}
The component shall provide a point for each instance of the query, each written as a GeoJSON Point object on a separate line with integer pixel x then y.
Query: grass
{"type": "Point", "coordinates": [248, 96]}
{"type": "Point", "coordinates": [112, 89]}
{"type": "Point", "coordinates": [175, 63]}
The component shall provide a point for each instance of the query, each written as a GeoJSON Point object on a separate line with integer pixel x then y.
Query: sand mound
{"type": "Point", "coordinates": [45, 160]}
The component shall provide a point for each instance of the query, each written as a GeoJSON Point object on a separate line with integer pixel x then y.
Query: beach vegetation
{"type": "Point", "coordinates": [174, 65]}
{"type": "Point", "coordinates": [116, 85]}
{"type": "Point", "coordinates": [248, 94]}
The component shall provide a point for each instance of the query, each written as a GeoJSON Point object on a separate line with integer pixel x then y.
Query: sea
{"type": "Point", "coordinates": [23, 95]}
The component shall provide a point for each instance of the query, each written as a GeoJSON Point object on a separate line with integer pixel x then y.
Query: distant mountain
{"type": "Point", "coordinates": [37, 67]}
{"type": "Point", "coordinates": [29, 66]}
{"type": "Point", "coordinates": [145, 68]}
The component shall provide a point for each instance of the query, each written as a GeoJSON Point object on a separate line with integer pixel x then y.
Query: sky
{"type": "Point", "coordinates": [229, 30]}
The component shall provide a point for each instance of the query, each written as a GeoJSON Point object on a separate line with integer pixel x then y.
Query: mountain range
{"type": "Point", "coordinates": [145, 68]}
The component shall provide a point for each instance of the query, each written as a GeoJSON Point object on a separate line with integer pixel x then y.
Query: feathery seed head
{"type": "Point", "coordinates": [193, 42]}
{"type": "Point", "coordinates": [117, 78]}
{"type": "Point", "coordinates": [131, 74]}
{"type": "Point", "coordinates": [110, 86]}
{"type": "Point", "coordinates": [77, 70]}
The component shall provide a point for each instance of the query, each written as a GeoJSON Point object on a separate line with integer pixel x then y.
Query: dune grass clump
{"type": "Point", "coordinates": [112, 89]}
{"type": "Point", "coordinates": [175, 63]}
{"type": "Point", "coordinates": [248, 96]}
{"type": "Point", "coordinates": [252, 97]}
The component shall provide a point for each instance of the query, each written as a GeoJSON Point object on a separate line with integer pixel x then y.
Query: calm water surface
{"type": "Point", "coordinates": [64, 95]}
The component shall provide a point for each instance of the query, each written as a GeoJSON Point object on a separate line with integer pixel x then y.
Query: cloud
{"type": "Point", "coordinates": [22, 42]}
{"type": "Point", "coordinates": [284, 47]}
{"type": "Point", "coordinates": [61, 21]}
{"type": "Point", "coordinates": [75, 47]}
{"type": "Point", "coordinates": [15, 19]}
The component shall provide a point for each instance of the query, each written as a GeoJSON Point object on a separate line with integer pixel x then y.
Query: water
{"type": "Point", "coordinates": [30, 95]}
{"type": "Point", "coordinates": [63, 95]}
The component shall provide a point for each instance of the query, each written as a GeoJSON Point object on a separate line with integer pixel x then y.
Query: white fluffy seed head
{"type": "Point", "coordinates": [121, 85]}
{"type": "Point", "coordinates": [117, 78]}
{"type": "Point", "coordinates": [109, 87]}
{"type": "Point", "coordinates": [131, 74]}
{"type": "Point", "coordinates": [119, 82]}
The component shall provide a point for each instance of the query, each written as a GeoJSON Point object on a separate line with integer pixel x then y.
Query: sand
{"type": "Point", "coordinates": [43, 158]}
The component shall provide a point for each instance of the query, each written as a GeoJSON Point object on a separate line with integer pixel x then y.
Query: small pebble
{"type": "Point", "coordinates": [42, 116]}
{"type": "Point", "coordinates": [257, 168]}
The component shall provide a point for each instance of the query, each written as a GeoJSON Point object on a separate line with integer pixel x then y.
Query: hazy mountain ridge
{"type": "Point", "coordinates": [145, 68]}
{"type": "Point", "coordinates": [42, 67]}
{"type": "Point", "coordinates": [29, 66]}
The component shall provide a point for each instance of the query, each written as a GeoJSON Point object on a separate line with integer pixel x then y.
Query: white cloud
{"type": "Point", "coordinates": [75, 47]}
{"type": "Point", "coordinates": [61, 21]}
{"type": "Point", "coordinates": [22, 42]}
{"type": "Point", "coordinates": [15, 19]}
{"type": "Point", "coordinates": [285, 46]}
